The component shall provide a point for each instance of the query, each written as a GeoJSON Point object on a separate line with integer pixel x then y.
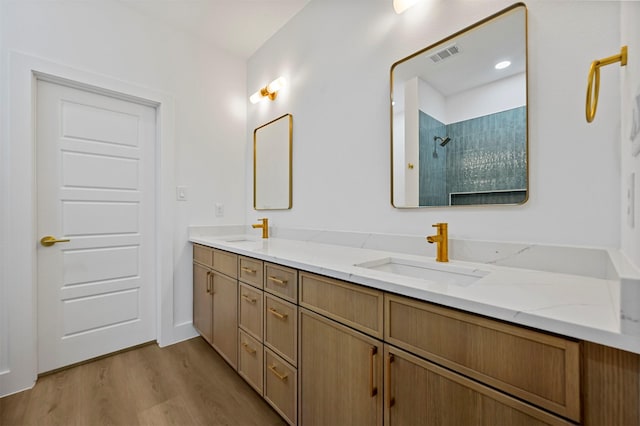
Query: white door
{"type": "Point", "coordinates": [95, 187]}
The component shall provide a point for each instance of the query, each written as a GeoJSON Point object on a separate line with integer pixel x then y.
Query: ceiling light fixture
{"type": "Point", "coordinates": [401, 5]}
{"type": "Point", "coordinates": [502, 65]}
{"type": "Point", "coordinates": [269, 91]}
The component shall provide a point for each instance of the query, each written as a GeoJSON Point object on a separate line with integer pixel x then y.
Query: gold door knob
{"type": "Point", "coordinates": [50, 240]}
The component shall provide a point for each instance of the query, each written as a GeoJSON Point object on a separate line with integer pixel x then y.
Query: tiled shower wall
{"type": "Point", "coordinates": [432, 163]}
{"type": "Point", "coordinates": [486, 154]}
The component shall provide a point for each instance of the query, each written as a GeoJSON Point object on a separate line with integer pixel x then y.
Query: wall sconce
{"type": "Point", "coordinates": [401, 5]}
{"type": "Point", "coordinates": [269, 91]}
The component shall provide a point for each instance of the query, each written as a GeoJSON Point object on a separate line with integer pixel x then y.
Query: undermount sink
{"type": "Point", "coordinates": [240, 239]}
{"type": "Point", "coordinates": [430, 271]}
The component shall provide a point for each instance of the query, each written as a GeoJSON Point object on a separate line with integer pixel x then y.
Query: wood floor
{"type": "Point", "coordinates": [183, 384]}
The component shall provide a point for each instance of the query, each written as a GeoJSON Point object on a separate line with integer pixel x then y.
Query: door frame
{"type": "Point", "coordinates": [18, 286]}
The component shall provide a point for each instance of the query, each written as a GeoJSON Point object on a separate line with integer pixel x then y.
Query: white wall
{"type": "Point", "coordinates": [630, 88]}
{"type": "Point", "coordinates": [337, 55]}
{"type": "Point", "coordinates": [411, 141]}
{"type": "Point", "coordinates": [208, 89]}
{"type": "Point", "coordinates": [432, 102]}
{"type": "Point", "coordinates": [501, 95]}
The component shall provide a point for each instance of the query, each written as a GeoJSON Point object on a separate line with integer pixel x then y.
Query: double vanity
{"type": "Point", "coordinates": [346, 333]}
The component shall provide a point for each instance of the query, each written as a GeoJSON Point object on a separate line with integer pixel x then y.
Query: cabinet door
{"type": "Point", "coordinates": [340, 374]}
{"type": "Point", "coordinates": [225, 317]}
{"type": "Point", "coordinates": [202, 303]}
{"type": "Point", "coordinates": [419, 392]}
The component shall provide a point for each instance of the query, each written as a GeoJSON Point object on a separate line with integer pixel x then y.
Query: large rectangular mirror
{"type": "Point", "coordinates": [272, 162]}
{"type": "Point", "coordinates": [459, 117]}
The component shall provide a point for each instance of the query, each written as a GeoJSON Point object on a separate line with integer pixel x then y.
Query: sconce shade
{"type": "Point", "coordinates": [401, 5]}
{"type": "Point", "coordinates": [269, 91]}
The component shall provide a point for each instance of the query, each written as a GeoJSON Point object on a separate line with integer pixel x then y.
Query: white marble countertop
{"type": "Point", "coordinates": [581, 307]}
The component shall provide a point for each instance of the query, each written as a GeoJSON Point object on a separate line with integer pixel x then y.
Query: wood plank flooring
{"type": "Point", "coordinates": [184, 384]}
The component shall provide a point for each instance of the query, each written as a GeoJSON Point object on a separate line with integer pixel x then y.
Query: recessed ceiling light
{"type": "Point", "coordinates": [502, 65]}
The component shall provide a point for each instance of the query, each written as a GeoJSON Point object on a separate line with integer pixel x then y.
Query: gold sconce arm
{"type": "Point", "coordinates": [593, 84]}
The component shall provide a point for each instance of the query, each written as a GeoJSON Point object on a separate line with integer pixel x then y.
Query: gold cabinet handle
{"type": "Point", "coordinates": [279, 375]}
{"type": "Point", "coordinates": [372, 353]}
{"type": "Point", "coordinates": [278, 314]}
{"type": "Point", "coordinates": [248, 299]}
{"type": "Point", "coordinates": [50, 240]}
{"type": "Point", "coordinates": [387, 387]}
{"type": "Point", "coordinates": [277, 280]}
{"type": "Point", "coordinates": [246, 347]}
{"type": "Point", "coordinates": [248, 270]}
{"type": "Point", "coordinates": [208, 281]}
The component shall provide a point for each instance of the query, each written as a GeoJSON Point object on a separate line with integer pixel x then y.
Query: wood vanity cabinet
{"type": "Point", "coordinates": [324, 351]}
{"type": "Point", "coordinates": [225, 317]}
{"type": "Point", "coordinates": [281, 340]}
{"type": "Point", "coordinates": [340, 374]}
{"type": "Point", "coordinates": [340, 368]}
{"type": "Point", "coordinates": [215, 300]}
{"type": "Point", "coordinates": [540, 368]}
{"type": "Point", "coordinates": [341, 353]}
{"type": "Point", "coordinates": [202, 301]}
{"type": "Point", "coordinates": [420, 392]}
{"type": "Point", "coordinates": [250, 322]}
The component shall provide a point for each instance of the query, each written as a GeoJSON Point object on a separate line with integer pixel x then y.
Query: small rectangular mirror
{"type": "Point", "coordinates": [459, 117]}
{"type": "Point", "coordinates": [272, 161]}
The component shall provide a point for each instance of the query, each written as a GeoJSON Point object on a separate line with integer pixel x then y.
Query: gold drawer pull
{"type": "Point", "coordinates": [278, 314]}
{"type": "Point", "coordinates": [390, 400]}
{"type": "Point", "coordinates": [248, 299]}
{"type": "Point", "coordinates": [248, 270]}
{"type": "Point", "coordinates": [372, 353]}
{"type": "Point", "coordinates": [246, 347]}
{"type": "Point", "coordinates": [277, 280]}
{"type": "Point", "coordinates": [279, 375]}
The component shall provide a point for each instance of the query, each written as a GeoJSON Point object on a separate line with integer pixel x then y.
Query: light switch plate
{"type": "Point", "coordinates": [219, 210]}
{"type": "Point", "coordinates": [181, 193]}
{"type": "Point", "coordinates": [631, 206]}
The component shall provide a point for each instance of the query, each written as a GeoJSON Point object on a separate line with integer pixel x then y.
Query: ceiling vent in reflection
{"type": "Point", "coordinates": [445, 53]}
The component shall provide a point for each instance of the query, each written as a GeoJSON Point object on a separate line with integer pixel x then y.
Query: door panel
{"type": "Point", "coordinates": [99, 123]}
{"type": "Point", "coordinates": [96, 171]}
{"type": "Point", "coordinates": [93, 265]}
{"type": "Point", "coordinates": [94, 312]}
{"type": "Point", "coordinates": [84, 218]}
{"type": "Point", "coordinates": [95, 161]}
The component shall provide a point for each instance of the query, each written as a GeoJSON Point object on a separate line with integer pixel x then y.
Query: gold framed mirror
{"type": "Point", "coordinates": [459, 128]}
{"type": "Point", "coordinates": [272, 164]}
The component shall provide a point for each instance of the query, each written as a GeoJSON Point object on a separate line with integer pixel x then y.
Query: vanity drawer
{"type": "Point", "coordinates": [280, 386]}
{"type": "Point", "coordinates": [281, 327]}
{"type": "Point", "coordinates": [537, 367]}
{"type": "Point", "coordinates": [250, 271]}
{"type": "Point", "coordinates": [225, 262]}
{"type": "Point", "coordinates": [353, 305]}
{"type": "Point", "coordinates": [250, 361]}
{"type": "Point", "coordinates": [203, 255]}
{"type": "Point", "coordinates": [281, 281]}
{"type": "Point", "coordinates": [251, 310]}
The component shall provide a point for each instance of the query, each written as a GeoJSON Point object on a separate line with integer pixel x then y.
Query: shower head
{"type": "Point", "coordinates": [443, 141]}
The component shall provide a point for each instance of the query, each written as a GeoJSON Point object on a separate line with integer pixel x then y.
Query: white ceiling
{"type": "Point", "coordinates": [239, 26]}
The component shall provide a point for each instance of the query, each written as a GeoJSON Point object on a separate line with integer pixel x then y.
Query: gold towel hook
{"type": "Point", "coordinates": [593, 85]}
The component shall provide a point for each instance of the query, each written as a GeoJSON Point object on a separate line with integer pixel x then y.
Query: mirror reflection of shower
{"type": "Point", "coordinates": [443, 142]}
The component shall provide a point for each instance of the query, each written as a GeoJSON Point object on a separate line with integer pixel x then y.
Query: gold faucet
{"type": "Point", "coordinates": [264, 225]}
{"type": "Point", "coordinates": [442, 240]}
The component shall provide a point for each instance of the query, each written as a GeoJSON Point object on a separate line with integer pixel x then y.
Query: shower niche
{"type": "Point", "coordinates": [459, 118]}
